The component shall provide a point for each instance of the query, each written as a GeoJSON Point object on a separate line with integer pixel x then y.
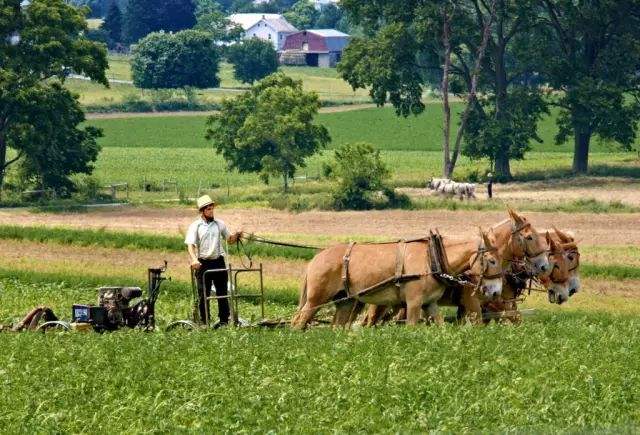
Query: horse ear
{"type": "Point", "coordinates": [515, 216]}
{"type": "Point", "coordinates": [553, 246]}
{"type": "Point", "coordinates": [487, 240]}
{"type": "Point", "coordinates": [562, 236]}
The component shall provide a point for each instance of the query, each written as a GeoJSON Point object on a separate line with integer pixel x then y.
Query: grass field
{"type": "Point", "coordinates": [137, 150]}
{"type": "Point", "coordinates": [324, 81]}
{"type": "Point", "coordinates": [568, 368]}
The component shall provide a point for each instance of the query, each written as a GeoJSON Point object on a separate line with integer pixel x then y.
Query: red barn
{"type": "Point", "coordinates": [322, 47]}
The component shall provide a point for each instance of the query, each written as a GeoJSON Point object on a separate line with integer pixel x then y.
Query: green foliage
{"type": "Point", "coordinates": [360, 173]}
{"type": "Point", "coordinates": [330, 17]}
{"type": "Point", "coordinates": [146, 16]}
{"type": "Point", "coordinates": [589, 51]}
{"type": "Point", "coordinates": [253, 59]}
{"type": "Point", "coordinates": [490, 136]}
{"type": "Point", "coordinates": [113, 24]}
{"type": "Point", "coordinates": [176, 60]}
{"type": "Point", "coordinates": [286, 381]}
{"type": "Point", "coordinates": [210, 18]}
{"type": "Point", "coordinates": [302, 15]}
{"type": "Point", "coordinates": [39, 117]}
{"type": "Point", "coordinates": [54, 147]}
{"type": "Point", "coordinates": [269, 129]}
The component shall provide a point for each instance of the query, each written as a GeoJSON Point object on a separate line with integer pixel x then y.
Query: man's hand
{"type": "Point", "coordinates": [233, 238]}
{"type": "Point", "coordinates": [195, 265]}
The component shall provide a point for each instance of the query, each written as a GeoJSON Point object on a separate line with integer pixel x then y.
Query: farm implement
{"type": "Point", "coordinates": [117, 307]}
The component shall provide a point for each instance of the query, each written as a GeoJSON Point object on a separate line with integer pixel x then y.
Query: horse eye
{"type": "Point", "coordinates": [570, 257]}
{"type": "Point", "coordinates": [529, 237]}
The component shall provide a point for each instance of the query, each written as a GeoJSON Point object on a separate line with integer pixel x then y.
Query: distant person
{"type": "Point", "coordinates": [490, 185]}
{"type": "Point", "coordinates": [206, 251]}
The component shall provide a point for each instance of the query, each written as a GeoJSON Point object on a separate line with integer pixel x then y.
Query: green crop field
{"type": "Point", "coordinates": [558, 371]}
{"type": "Point", "coordinates": [150, 150]}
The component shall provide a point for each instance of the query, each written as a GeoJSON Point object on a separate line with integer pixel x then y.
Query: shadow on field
{"type": "Point", "coordinates": [598, 170]}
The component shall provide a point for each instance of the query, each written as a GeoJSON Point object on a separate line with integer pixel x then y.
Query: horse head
{"type": "Point", "coordinates": [486, 268]}
{"type": "Point", "coordinates": [573, 256]}
{"type": "Point", "coordinates": [557, 279]}
{"type": "Point", "coordinates": [529, 244]}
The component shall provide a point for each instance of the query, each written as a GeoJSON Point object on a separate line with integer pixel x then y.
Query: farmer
{"type": "Point", "coordinates": [204, 242]}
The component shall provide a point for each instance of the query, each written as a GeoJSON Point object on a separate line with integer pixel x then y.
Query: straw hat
{"type": "Point", "coordinates": [204, 201]}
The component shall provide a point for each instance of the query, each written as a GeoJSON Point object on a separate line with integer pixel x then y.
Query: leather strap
{"type": "Point", "coordinates": [345, 267]}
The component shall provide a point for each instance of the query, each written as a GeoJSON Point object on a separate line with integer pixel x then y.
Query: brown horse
{"type": "Point", "coordinates": [573, 256]}
{"type": "Point", "coordinates": [370, 265]}
{"type": "Point", "coordinates": [521, 246]}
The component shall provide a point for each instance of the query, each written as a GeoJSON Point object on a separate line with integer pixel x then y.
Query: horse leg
{"type": "Point", "coordinates": [346, 312]}
{"type": "Point", "coordinates": [472, 307]}
{"type": "Point", "coordinates": [305, 314]}
{"type": "Point", "coordinates": [374, 313]}
{"type": "Point", "coordinates": [433, 314]}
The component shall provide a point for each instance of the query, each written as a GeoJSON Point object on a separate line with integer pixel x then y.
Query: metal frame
{"type": "Point", "coordinates": [233, 295]}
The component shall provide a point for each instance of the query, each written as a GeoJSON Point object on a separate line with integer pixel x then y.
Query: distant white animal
{"type": "Point", "coordinates": [450, 188]}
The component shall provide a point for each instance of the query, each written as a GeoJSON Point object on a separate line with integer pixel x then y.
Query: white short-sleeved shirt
{"type": "Point", "coordinates": [206, 236]}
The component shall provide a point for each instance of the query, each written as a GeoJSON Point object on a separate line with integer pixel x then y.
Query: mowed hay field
{"type": "Point", "coordinates": [566, 368]}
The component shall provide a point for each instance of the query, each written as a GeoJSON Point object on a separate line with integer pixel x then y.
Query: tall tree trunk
{"type": "Point", "coordinates": [503, 169]}
{"type": "Point", "coordinates": [3, 159]}
{"type": "Point", "coordinates": [286, 182]}
{"type": "Point", "coordinates": [503, 166]}
{"type": "Point", "coordinates": [447, 169]}
{"type": "Point", "coordinates": [474, 85]}
{"type": "Point", "coordinates": [581, 152]}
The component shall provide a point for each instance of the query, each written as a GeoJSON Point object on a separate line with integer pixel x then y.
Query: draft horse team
{"type": "Point", "coordinates": [483, 277]}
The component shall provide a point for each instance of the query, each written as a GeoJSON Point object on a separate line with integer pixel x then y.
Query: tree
{"type": "Point", "coordinates": [175, 60]}
{"type": "Point", "coordinates": [253, 59]}
{"type": "Point", "coordinates": [54, 148]}
{"type": "Point", "coordinates": [329, 18]}
{"type": "Point", "coordinates": [145, 16]}
{"type": "Point", "coordinates": [403, 52]}
{"type": "Point", "coordinates": [38, 118]}
{"type": "Point", "coordinates": [210, 18]}
{"type": "Point", "coordinates": [113, 24]}
{"type": "Point", "coordinates": [302, 15]}
{"type": "Point", "coordinates": [269, 129]}
{"type": "Point", "coordinates": [360, 172]}
{"type": "Point", "coordinates": [590, 52]}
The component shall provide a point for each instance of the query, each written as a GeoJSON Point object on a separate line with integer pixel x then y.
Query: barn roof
{"type": "Point", "coordinates": [328, 33]}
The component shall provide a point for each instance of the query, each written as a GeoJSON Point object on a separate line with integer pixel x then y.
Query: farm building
{"type": "Point", "coordinates": [270, 27]}
{"type": "Point", "coordinates": [317, 47]}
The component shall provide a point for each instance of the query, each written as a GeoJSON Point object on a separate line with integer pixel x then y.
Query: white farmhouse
{"type": "Point", "coordinates": [270, 27]}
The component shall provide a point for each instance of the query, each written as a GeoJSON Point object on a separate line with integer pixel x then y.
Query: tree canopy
{"type": "Point", "coordinates": [176, 60]}
{"type": "Point", "coordinates": [253, 59]}
{"type": "Point", "coordinates": [39, 119]}
{"type": "Point", "coordinates": [302, 15]}
{"type": "Point", "coordinates": [269, 129]}
{"type": "Point", "coordinates": [590, 51]}
{"type": "Point", "coordinates": [146, 16]}
{"type": "Point", "coordinates": [403, 50]}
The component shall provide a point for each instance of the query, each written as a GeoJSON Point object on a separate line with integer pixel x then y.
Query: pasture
{"type": "Point", "coordinates": [324, 81]}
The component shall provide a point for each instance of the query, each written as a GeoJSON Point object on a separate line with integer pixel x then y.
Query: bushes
{"type": "Point", "coordinates": [361, 177]}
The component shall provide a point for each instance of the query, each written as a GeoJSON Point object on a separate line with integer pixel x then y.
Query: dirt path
{"type": "Point", "coordinates": [591, 229]}
{"type": "Point", "coordinates": [624, 190]}
{"type": "Point", "coordinates": [119, 115]}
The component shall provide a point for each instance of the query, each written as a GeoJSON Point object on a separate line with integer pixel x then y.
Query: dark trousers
{"type": "Point", "coordinates": [219, 280]}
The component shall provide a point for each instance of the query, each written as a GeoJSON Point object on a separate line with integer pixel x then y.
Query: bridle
{"type": "Point", "coordinates": [516, 230]}
{"type": "Point", "coordinates": [484, 266]}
